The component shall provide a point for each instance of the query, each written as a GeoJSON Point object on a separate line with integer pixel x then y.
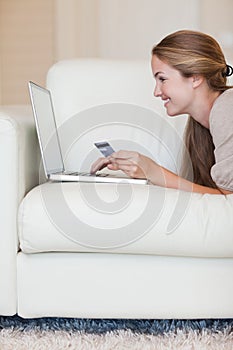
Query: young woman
{"type": "Point", "coordinates": [190, 73]}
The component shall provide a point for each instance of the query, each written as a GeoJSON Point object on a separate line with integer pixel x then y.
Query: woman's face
{"type": "Point", "coordinates": [176, 91]}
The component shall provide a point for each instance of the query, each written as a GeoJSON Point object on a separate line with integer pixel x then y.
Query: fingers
{"type": "Point", "coordinates": [116, 156]}
{"type": "Point", "coordinates": [124, 155]}
{"type": "Point", "coordinates": [119, 162]}
{"type": "Point", "coordinates": [131, 163]}
{"type": "Point", "coordinates": [99, 164]}
{"type": "Point", "coordinates": [122, 159]}
{"type": "Point", "coordinates": [128, 169]}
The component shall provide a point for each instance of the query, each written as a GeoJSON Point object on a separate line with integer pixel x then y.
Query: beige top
{"type": "Point", "coordinates": [221, 129]}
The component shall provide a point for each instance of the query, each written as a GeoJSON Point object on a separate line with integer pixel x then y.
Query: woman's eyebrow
{"type": "Point", "coordinates": [156, 74]}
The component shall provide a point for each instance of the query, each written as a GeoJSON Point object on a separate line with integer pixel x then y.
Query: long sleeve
{"type": "Point", "coordinates": [221, 129]}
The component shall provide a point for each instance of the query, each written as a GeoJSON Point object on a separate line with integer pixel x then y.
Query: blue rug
{"type": "Point", "coordinates": [101, 326]}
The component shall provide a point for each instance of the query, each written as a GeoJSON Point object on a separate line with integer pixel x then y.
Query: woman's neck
{"type": "Point", "coordinates": [203, 105]}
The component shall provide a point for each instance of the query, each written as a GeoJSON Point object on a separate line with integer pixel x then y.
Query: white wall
{"type": "Point", "coordinates": [76, 28]}
{"type": "Point", "coordinates": [130, 28]}
{"type": "Point", "coordinates": [26, 46]}
{"type": "Point", "coordinates": [120, 28]}
{"type": "Point", "coordinates": [216, 18]}
{"type": "Point", "coordinates": [36, 33]}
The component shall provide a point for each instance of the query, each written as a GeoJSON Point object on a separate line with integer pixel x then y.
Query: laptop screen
{"type": "Point", "coordinates": [46, 129]}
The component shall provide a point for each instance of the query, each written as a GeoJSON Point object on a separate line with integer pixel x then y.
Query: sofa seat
{"type": "Point", "coordinates": [124, 218]}
{"type": "Point", "coordinates": [88, 285]}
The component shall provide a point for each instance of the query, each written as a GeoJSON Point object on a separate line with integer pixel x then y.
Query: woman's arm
{"type": "Point", "coordinates": [139, 166]}
{"type": "Point", "coordinates": [168, 179]}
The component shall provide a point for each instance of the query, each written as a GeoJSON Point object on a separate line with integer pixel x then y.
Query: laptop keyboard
{"type": "Point", "coordinates": [85, 174]}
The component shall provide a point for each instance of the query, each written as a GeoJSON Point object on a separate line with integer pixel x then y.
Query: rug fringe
{"type": "Point", "coordinates": [11, 339]}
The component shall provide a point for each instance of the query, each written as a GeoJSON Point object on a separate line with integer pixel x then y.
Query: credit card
{"type": "Point", "coordinates": [105, 148]}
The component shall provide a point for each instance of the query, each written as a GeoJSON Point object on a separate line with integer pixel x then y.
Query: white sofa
{"type": "Point", "coordinates": [106, 250]}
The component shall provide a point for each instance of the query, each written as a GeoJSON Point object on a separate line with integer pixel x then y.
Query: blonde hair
{"type": "Point", "coordinates": [195, 53]}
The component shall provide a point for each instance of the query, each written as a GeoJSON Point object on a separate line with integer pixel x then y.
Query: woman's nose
{"type": "Point", "coordinates": [157, 91]}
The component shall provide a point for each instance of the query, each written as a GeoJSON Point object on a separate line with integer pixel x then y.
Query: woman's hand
{"type": "Point", "coordinates": [99, 164]}
{"type": "Point", "coordinates": [132, 164]}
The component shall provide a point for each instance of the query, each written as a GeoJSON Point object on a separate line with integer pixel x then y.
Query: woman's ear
{"type": "Point", "coordinates": [197, 80]}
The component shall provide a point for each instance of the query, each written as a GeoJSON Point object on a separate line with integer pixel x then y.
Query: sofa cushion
{"type": "Point", "coordinates": [124, 218]}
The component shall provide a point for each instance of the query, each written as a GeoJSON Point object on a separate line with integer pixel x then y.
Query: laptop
{"type": "Point", "coordinates": [50, 147]}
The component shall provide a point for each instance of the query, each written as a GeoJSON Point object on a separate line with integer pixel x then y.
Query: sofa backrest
{"type": "Point", "coordinates": [96, 99]}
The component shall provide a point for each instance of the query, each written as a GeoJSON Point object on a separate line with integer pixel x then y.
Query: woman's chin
{"type": "Point", "coordinates": [172, 113]}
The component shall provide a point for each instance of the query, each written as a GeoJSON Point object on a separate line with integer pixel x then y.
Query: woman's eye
{"type": "Point", "coordinates": [162, 79]}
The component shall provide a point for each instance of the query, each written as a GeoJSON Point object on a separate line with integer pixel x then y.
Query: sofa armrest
{"type": "Point", "coordinates": [19, 173]}
{"type": "Point", "coordinates": [19, 140]}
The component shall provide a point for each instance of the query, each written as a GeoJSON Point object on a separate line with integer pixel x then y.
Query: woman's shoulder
{"type": "Point", "coordinates": [222, 110]}
{"type": "Point", "coordinates": [226, 96]}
